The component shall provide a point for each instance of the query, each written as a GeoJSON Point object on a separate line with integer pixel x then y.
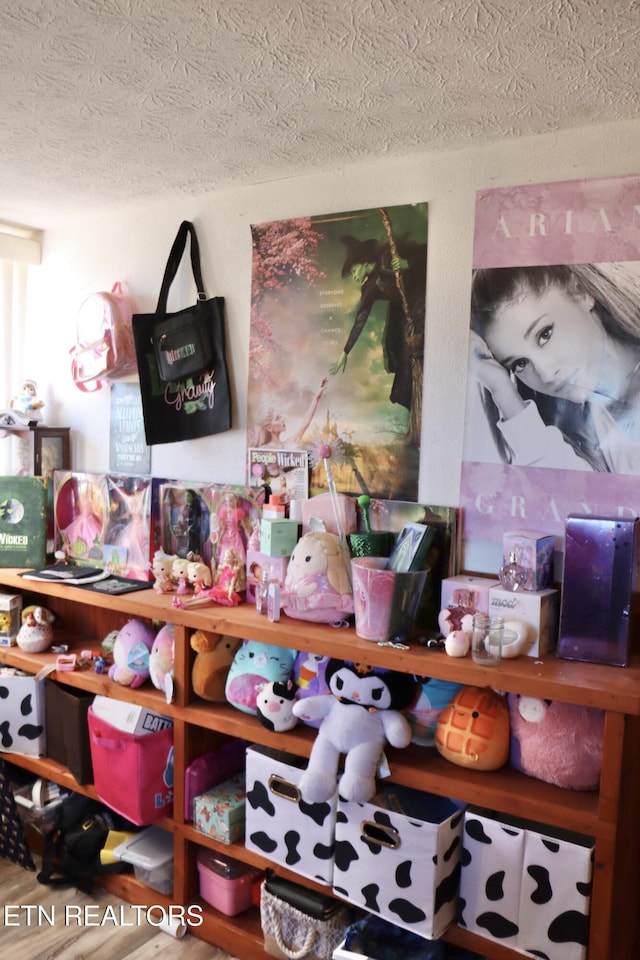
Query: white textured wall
{"type": "Point", "coordinates": [131, 244]}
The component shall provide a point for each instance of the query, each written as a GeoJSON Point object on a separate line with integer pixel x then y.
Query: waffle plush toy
{"type": "Point", "coordinates": [473, 730]}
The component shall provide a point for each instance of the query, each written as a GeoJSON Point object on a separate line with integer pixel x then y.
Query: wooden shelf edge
{"type": "Point", "coordinates": [606, 687]}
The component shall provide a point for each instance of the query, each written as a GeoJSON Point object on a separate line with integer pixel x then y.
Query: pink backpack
{"type": "Point", "coordinates": [105, 349]}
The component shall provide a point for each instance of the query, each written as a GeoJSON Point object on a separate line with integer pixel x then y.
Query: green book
{"type": "Point", "coordinates": [23, 521]}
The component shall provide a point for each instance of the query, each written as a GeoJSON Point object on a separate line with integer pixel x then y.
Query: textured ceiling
{"type": "Point", "coordinates": [116, 101]}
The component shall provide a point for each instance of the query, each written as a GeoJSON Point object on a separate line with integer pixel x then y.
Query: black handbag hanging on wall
{"type": "Point", "coordinates": [184, 380]}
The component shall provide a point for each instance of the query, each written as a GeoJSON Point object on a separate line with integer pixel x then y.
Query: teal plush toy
{"type": "Point", "coordinates": [255, 665]}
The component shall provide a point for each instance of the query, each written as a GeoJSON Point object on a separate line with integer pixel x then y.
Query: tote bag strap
{"type": "Point", "coordinates": [175, 256]}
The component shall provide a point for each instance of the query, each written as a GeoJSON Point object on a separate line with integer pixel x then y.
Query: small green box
{"type": "Point", "coordinates": [220, 811]}
{"type": "Point", "coordinates": [278, 537]}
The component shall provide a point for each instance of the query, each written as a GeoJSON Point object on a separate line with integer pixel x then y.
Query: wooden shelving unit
{"type": "Point", "coordinates": [609, 815]}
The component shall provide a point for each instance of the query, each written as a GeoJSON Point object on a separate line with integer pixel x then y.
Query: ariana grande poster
{"type": "Point", "coordinates": [552, 421]}
{"type": "Point", "coordinates": [337, 345]}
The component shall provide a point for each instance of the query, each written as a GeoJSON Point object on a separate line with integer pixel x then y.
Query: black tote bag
{"type": "Point", "coordinates": [182, 364]}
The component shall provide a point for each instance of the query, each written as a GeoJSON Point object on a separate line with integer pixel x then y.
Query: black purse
{"type": "Point", "coordinates": [183, 341]}
{"type": "Point", "coordinates": [184, 380]}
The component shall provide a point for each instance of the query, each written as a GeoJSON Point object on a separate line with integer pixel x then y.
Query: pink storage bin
{"type": "Point", "coordinates": [212, 768]}
{"type": "Point", "coordinates": [133, 774]}
{"type": "Point", "coordinates": [226, 883]}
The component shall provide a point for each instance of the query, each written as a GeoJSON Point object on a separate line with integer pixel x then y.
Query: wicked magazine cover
{"type": "Point", "coordinates": [337, 345]}
{"type": "Point", "coordinates": [553, 390]}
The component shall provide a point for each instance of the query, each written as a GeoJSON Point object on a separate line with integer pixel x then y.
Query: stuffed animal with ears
{"type": "Point", "coordinates": [131, 652]}
{"type": "Point", "coordinates": [362, 713]}
{"type": "Point", "coordinates": [275, 706]}
{"type": "Point", "coordinates": [254, 665]}
{"type": "Point", "coordinates": [214, 656]}
{"type": "Point", "coordinates": [317, 585]}
{"type": "Point", "coordinates": [559, 743]}
{"type": "Point", "coordinates": [162, 660]}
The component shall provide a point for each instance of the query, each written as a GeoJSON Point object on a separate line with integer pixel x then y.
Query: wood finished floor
{"type": "Point", "coordinates": [20, 940]}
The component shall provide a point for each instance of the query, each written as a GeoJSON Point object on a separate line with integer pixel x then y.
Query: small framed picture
{"type": "Point", "coordinates": [51, 450]}
{"type": "Point", "coordinates": [411, 547]}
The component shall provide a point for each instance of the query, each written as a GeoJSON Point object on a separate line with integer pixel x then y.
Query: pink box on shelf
{"type": "Point", "coordinates": [212, 768]}
{"type": "Point", "coordinates": [256, 563]}
{"type": "Point", "coordinates": [225, 883]}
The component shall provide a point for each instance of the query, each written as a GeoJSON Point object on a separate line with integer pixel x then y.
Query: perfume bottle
{"type": "Point", "coordinates": [262, 592]}
{"type": "Point", "coordinates": [513, 576]}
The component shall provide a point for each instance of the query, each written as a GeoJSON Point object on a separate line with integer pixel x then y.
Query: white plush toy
{"type": "Point", "coordinates": [362, 712]}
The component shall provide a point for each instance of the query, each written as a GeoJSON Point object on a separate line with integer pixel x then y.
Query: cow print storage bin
{"type": "Point", "coordinates": [403, 866]}
{"type": "Point", "coordinates": [22, 716]}
{"type": "Point", "coordinates": [279, 824]}
{"type": "Point", "coordinates": [526, 889]}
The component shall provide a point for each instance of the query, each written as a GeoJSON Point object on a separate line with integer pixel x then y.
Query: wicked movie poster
{"type": "Point", "coordinates": [553, 398]}
{"type": "Point", "coordinates": [337, 345]}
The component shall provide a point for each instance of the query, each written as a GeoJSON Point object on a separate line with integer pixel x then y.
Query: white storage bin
{"type": "Point", "coordinates": [151, 853]}
{"type": "Point", "coordinates": [525, 888]}
{"type": "Point", "coordinates": [298, 835]}
{"type": "Point", "coordinates": [401, 866]}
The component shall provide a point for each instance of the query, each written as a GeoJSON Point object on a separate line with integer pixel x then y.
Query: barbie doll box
{"type": "Point", "coordinates": [537, 608]}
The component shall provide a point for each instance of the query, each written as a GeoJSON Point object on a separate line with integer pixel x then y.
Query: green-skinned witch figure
{"type": "Point", "coordinates": [396, 273]}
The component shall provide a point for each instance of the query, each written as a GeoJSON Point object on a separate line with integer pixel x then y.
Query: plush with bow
{"type": "Point", "coordinates": [361, 712]}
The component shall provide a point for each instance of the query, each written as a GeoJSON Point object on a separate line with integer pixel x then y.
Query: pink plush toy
{"type": "Point", "coordinates": [317, 585]}
{"type": "Point", "coordinates": [131, 651]}
{"type": "Point", "coordinates": [556, 742]}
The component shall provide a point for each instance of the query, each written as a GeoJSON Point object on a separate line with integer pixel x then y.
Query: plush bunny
{"type": "Point", "coordinates": [362, 713]}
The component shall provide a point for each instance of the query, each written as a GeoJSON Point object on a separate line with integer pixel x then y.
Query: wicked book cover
{"type": "Point", "coordinates": [23, 521]}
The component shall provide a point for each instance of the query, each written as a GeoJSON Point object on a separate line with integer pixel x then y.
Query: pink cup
{"type": "Point", "coordinates": [385, 603]}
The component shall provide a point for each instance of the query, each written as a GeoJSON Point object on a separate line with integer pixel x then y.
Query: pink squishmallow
{"type": "Point", "coordinates": [559, 743]}
{"type": "Point", "coordinates": [317, 585]}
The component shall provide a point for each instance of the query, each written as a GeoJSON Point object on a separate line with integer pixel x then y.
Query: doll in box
{"type": "Point", "coordinates": [231, 529]}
